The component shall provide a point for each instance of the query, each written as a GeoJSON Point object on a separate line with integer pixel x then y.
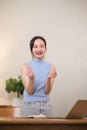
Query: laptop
{"type": "Point", "coordinates": [78, 111]}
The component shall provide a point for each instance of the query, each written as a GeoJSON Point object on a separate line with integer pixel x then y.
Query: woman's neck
{"type": "Point", "coordinates": [38, 58]}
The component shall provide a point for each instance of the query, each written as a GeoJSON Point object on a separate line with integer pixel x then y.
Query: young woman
{"type": "Point", "coordinates": [38, 78]}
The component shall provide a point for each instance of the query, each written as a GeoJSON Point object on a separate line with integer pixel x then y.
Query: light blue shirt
{"type": "Point", "coordinates": [41, 70]}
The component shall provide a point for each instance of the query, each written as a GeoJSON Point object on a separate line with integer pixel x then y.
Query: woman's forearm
{"type": "Point", "coordinates": [30, 86]}
{"type": "Point", "coordinates": [49, 85]}
{"type": "Point", "coordinates": [28, 82]}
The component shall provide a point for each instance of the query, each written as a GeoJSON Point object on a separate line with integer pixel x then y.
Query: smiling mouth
{"type": "Point", "coordinates": [39, 53]}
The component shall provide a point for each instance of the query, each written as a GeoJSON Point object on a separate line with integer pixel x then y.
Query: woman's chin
{"type": "Point", "coordinates": [39, 57]}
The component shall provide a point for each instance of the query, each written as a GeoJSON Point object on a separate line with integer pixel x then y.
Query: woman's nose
{"type": "Point", "coordinates": [39, 48]}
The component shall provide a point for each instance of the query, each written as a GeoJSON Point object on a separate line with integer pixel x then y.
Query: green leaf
{"type": "Point", "coordinates": [15, 85]}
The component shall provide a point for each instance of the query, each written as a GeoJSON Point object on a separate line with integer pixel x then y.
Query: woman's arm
{"type": "Point", "coordinates": [50, 79]}
{"type": "Point", "coordinates": [27, 78]}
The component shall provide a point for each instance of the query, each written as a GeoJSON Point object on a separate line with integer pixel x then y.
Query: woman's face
{"type": "Point", "coordinates": [39, 49]}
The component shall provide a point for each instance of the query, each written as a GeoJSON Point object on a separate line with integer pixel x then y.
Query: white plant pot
{"type": "Point", "coordinates": [16, 102]}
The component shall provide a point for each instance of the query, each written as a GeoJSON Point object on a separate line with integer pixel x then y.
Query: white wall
{"type": "Point", "coordinates": [63, 23]}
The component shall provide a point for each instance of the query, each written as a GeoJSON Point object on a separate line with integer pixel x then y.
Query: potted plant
{"type": "Point", "coordinates": [15, 85]}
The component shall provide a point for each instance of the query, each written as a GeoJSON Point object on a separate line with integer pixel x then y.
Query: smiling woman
{"type": "Point", "coordinates": [64, 24]}
{"type": "Point", "coordinates": [38, 77]}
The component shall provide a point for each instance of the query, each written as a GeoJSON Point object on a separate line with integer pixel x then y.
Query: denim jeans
{"type": "Point", "coordinates": [36, 108]}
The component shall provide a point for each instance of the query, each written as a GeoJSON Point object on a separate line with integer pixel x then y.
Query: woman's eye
{"type": "Point", "coordinates": [42, 46]}
{"type": "Point", "coordinates": [35, 46]}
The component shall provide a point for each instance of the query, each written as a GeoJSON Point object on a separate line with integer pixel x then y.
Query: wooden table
{"type": "Point", "coordinates": [9, 111]}
{"type": "Point", "coordinates": [18, 123]}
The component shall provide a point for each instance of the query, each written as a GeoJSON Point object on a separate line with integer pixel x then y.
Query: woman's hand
{"type": "Point", "coordinates": [52, 73]}
{"type": "Point", "coordinates": [50, 79]}
{"type": "Point", "coordinates": [28, 78]}
{"type": "Point", "coordinates": [30, 72]}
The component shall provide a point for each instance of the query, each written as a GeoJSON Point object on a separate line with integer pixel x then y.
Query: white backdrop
{"type": "Point", "coordinates": [63, 23]}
